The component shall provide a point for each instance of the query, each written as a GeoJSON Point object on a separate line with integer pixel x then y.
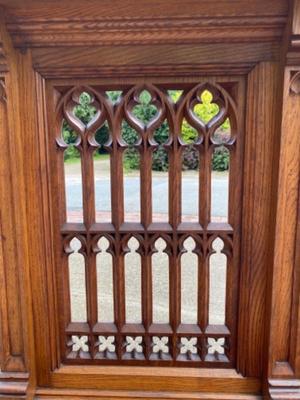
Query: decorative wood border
{"type": "Point", "coordinates": [3, 61]}
{"type": "Point", "coordinates": [72, 394]}
{"type": "Point", "coordinates": [2, 91]}
{"type": "Point", "coordinates": [31, 33]}
{"type": "Point", "coordinates": [280, 389]}
{"type": "Point", "coordinates": [284, 347]}
{"type": "Point", "coordinates": [164, 70]}
{"type": "Point", "coordinates": [295, 82]}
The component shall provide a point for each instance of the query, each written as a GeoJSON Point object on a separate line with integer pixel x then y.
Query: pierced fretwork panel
{"type": "Point", "coordinates": [147, 205]}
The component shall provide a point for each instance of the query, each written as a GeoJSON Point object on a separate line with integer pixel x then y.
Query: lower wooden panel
{"type": "Point", "coordinates": [137, 395]}
{"type": "Point", "coordinates": [150, 380]}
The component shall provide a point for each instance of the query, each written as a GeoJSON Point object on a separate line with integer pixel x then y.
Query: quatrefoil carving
{"type": "Point", "coordinates": [134, 344]}
{"type": "Point", "coordinates": [160, 344]}
{"type": "Point", "coordinates": [188, 345]}
{"type": "Point", "coordinates": [216, 346]}
{"type": "Point", "coordinates": [107, 343]}
{"type": "Point", "coordinates": [80, 343]}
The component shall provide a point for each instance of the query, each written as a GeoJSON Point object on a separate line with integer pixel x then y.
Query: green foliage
{"type": "Point", "coordinates": [220, 160]}
{"type": "Point", "coordinates": [145, 112]}
{"type": "Point", "coordinates": [131, 159]}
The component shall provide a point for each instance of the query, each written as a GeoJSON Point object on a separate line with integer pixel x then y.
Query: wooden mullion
{"type": "Point", "coordinates": [117, 198]}
{"type": "Point", "coordinates": [175, 186]}
{"type": "Point", "coordinates": [204, 219]}
{"type": "Point", "coordinates": [88, 191]}
{"type": "Point", "coordinates": [232, 262]}
{"type": "Point", "coordinates": [147, 300]}
{"type": "Point", "coordinates": [117, 181]}
{"type": "Point", "coordinates": [146, 185]}
{"type": "Point", "coordinates": [203, 286]}
{"type": "Point", "coordinates": [146, 219]}
{"type": "Point", "coordinates": [91, 279]}
{"type": "Point", "coordinates": [88, 185]}
{"type": "Point", "coordinates": [119, 296]}
{"type": "Point", "coordinates": [205, 183]}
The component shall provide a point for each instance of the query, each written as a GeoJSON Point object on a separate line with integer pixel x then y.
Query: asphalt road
{"type": "Point", "coordinates": [159, 198]}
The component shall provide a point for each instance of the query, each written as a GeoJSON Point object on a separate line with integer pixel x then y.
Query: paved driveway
{"type": "Point", "coordinates": [159, 188]}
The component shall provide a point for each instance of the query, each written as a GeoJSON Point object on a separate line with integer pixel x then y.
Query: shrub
{"type": "Point", "coordinates": [220, 160]}
{"type": "Point", "coordinates": [144, 112]}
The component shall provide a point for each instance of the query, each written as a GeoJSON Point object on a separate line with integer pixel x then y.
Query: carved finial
{"type": "Point", "coordinates": [2, 91]}
{"type": "Point", "coordinates": [295, 83]}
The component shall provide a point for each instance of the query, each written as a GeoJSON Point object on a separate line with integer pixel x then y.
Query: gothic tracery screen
{"type": "Point", "coordinates": [147, 231]}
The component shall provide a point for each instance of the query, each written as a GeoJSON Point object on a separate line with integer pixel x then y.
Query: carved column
{"type": "Point", "coordinates": [284, 349]}
{"type": "Point", "coordinates": [15, 302]}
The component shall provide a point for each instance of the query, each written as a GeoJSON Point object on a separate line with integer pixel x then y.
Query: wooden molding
{"type": "Point", "coordinates": [3, 61]}
{"type": "Point", "coordinates": [293, 32]}
{"type": "Point", "coordinates": [13, 386]}
{"type": "Point", "coordinates": [43, 393]}
{"type": "Point", "coordinates": [2, 91]}
{"type": "Point", "coordinates": [127, 71]}
{"type": "Point", "coordinates": [284, 389]}
{"type": "Point", "coordinates": [283, 351]}
{"type": "Point", "coordinates": [150, 23]}
{"type": "Point", "coordinates": [163, 61]}
{"type": "Point", "coordinates": [72, 32]}
{"type": "Point", "coordinates": [295, 83]}
{"type": "Point", "coordinates": [258, 198]}
{"type": "Point", "coordinates": [12, 346]}
{"type": "Point", "coordinates": [157, 379]}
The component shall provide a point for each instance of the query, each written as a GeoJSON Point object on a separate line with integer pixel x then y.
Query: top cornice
{"type": "Point", "coordinates": [91, 22]}
{"type": "Point", "coordinates": [40, 33]}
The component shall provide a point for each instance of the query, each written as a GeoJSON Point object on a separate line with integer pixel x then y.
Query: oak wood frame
{"type": "Point", "coordinates": [203, 232]}
{"type": "Point", "coordinates": [269, 353]}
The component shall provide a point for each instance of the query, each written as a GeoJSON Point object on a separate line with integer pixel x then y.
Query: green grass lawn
{"type": "Point", "coordinates": [97, 156]}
